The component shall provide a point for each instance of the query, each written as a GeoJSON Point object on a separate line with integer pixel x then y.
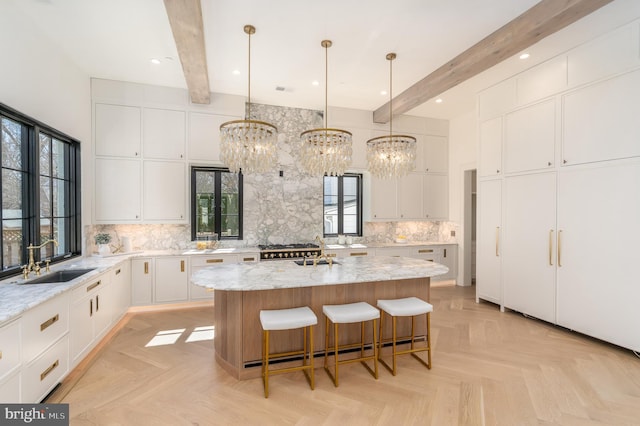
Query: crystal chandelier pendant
{"type": "Point", "coordinates": [393, 155]}
{"type": "Point", "coordinates": [325, 151]}
{"type": "Point", "coordinates": [249, 145]}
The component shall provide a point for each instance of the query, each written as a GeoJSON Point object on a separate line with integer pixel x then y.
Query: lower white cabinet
{"type": "Point", "coordinates": [10, 388]}
{"type": "Point", "coordinates": [172, 279]}
{"type": "Point", "coordinates": [445, 254]}
{"type": "Point", "coordinates": [489, 234]}
{"type": "Point", "coordinates": [43, 325]}
{"type": "Point", "coordinates": [10, 360]}
{"type": "Point", "coordinates": [91, 311]}
{"type": "Point", "coordinates": [41, 375]}
{"type": "Point", "coordinates": [197, 292]}
{"type": "Point", "coordinates": [121, 289]}
{"type": "Point", "coordinates": [142, 279]}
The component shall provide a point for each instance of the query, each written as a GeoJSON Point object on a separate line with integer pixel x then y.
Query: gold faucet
{"type": "Point", "coordinates": [35, 266]}
{"type": "Point", "coordinates": [323, 255]}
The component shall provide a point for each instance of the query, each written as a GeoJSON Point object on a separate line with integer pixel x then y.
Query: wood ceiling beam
{"type": "Point", "coordinates": [543, 19]}
{"type": "Point", "coordinates": [185, 17]}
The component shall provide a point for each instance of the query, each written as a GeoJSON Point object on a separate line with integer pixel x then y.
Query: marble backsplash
{"type": "Point", "coordinates": [277, 209]}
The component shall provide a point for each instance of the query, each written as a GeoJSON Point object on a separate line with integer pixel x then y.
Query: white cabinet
{"type": "Point", "coordinates": [197, 292]}
{"type": "Point", "coordinates": [530, 138]}
{"type": "Point", "coordinates": [121, 289]}
{"type": "Point", "coordinates": [164, 191]}
{"type": "Point", "coordinates": [410, 196]}
{"type": "Point", "coordinates": [384, 198]}
{"type": "Point", "coordinates": [10, 388]}
{"type": "Point", "coordinates": [490, 148]}
{"type": "Point", "coordinates": [204, 135]}
{"type": "Point", "coordinates": [142, 279]}
{"type": "Point", "coordinates": [117, 130]}
{"type": "Point", "coordinates": [599, 230]}
{"type": "Point", "coordinates": [41, 375]}
{"type": "Point", "coordinates": [541, 81]}
{"type": "Point", "coordinates": [489, 234]}
{"type": "Point", "coordinates": [528, 257]}
{"type": "Point", "coordinates": [435, 197]}
{"type": "Point", "coordinates": [10, 361]}
{"type": "Point", "coordinates": [117, 190]}
{"type": "Point", "coordinates": [434, 157]}
{"type": "Point", "coordinates": [164, 134]}
{"type": "Point", "coordinates": [91, 311]}
{"type": "Point", "coordinates": [600, 122]}
{"type": "Point", "coordinates": [171, 279]}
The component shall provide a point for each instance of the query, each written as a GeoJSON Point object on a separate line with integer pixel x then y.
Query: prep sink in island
{"type": "Point", "coordinates": [243, 289]}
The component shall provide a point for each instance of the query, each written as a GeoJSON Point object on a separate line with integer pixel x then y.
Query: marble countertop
{"type": "Point", "coordinates": [287, 274]}
{"type": "Point", "coordinates": [16, 297]}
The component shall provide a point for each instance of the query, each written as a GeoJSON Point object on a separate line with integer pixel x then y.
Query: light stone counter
{"type": "Point", "coordinates": [280, 274]}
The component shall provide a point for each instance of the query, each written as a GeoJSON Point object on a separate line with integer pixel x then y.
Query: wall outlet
{"type": "Point", "coordinates": [453, 233]}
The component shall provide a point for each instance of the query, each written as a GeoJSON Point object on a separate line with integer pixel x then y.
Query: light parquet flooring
{"type": "Point", "coordinates": [490, 368]}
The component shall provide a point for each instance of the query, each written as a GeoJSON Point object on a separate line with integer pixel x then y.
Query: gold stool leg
{"type": "Point", "coordinates": [265, 362]}
{"type": "Point", "coordinates": [394, 321]}
{"type": "Point", "coordinates": [326, 342]}
{"type": "Point", "coordinates": [335, 352]}
{"type": "Point", "coordinates": [413, 331]}
{"type": "Point", "coordinates": [381, 334]}
{"type": "Point", "coordinates": [311, 356]}
{"type": "Point", "coordinates": [375, 350]}
{"type": "Point", "coordinates": [429, 339]}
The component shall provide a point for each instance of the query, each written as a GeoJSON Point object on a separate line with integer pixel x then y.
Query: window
{"type": "Point", "coordinates": [40, 191]}
{"type": "Point", "coordinates": [216, 203]}
{"type": "Point", "coordinates": [343, 205]}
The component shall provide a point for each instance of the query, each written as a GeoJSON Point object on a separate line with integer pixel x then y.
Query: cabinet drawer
{"type": "Point", "coordinates": [39, 377]}
{"type": "Point", "coordinates": [9, 348]}
{"type": "Point", "coordinates": [10, 389]}
{"type": "Point", "coordinates": [92, 286]}
{"type": "Point", "coordinates": [216, 260]}
{"type": "Point", "coordinates": [44, 325]}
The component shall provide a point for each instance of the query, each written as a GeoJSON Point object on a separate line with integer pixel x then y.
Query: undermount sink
{"type": "Point", "coordinates": [59, 276]}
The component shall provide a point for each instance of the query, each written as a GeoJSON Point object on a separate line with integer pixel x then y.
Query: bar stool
{"type": "Point", "coordinates": [287, 319]}
{"type": "Point", "coordinates": [410, 306]}
{"type": "Point", "coordinates": [350, 313]}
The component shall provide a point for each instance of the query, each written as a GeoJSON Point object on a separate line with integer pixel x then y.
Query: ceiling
{"type": "Point", "coordinates": [116, 39]}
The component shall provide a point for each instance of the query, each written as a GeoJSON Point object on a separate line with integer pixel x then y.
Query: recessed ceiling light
{"type": "Point", "coordinates": [383, 92]}
{"type": "Point", "coordinates": [155, 61]}
{"type": "Point", "coordinates": [524, 56]}
{"type": "Point", "coordinates": [236, 72]}
{"type": "Point", "coordinates": [439, 100]}
{"type": "Point", "coordinates": [315, 83]}
{"type": "Point", "coordinates": [280, 88]}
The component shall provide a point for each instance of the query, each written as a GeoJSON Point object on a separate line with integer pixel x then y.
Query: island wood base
{"type": "Point", "coordinates": [238, 334]}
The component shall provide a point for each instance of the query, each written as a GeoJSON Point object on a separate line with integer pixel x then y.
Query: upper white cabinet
{"type": "Point", "coordinates": [435, 197]}
{"type": "Point", "coordinates": [433, 154]}
{"type": "Point", "coordinates": [204, 135]}
{"type": "Point", "coordinates": [117, 130]}
{"type": "Point", "coordinates": [490, 150]}
{"type": "Point", "coordinates": [164, 134]}
{"type": "Point", "coordinates": [542, 80]}
{"type": "Point", "coordinates": [497, 100]}
{"type": "Point", "coordinates": [409, 196]}
{"type": "Point", "coordinates": [117, 190]}
{"type": "Point", "coordinates": [530, 138]}
{"type": "Point", "coordinates": [600, 122]}
{"type": "Point", "coordinates": [384, 199]}
{"type": "Point", "coordinates": [164, 193]}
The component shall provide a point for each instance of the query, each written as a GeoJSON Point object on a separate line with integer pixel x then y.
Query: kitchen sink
{"type": "Point", "coordinates": [59, 276]}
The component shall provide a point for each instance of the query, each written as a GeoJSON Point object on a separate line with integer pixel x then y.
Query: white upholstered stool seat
{"type": "Point", "coordinates": [345, 314]}
{"type": "Point", "coordinates": [288, 319]}
{"type": "Point", "coordinates": [406, 307]}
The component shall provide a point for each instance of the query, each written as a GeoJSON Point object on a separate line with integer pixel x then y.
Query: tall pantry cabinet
{"type": "Point", "coordinates": [558, 198]}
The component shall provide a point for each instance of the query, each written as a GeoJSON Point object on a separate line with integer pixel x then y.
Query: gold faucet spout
{"type": "Point", "coordinates": [32, 264]}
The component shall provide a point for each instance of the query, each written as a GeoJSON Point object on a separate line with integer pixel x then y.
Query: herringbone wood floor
{"type": "Point", "coordinates": [489, 368]}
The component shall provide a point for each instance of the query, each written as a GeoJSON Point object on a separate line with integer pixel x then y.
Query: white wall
{"type": "Point", "coordinates": [40, 81]}
{"type": "Point", "coordinates": [462, 156]}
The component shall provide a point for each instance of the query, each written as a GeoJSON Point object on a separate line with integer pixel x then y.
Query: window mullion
{"type": "Point", "coordinates": [218, 204]}
{"type": "Point", "coordinates": [340, 205]}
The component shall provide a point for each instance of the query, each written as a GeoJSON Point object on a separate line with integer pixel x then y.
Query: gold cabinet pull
{"type": "Point", "coordinates": [560, 248]}
{"type": "Point", "coordinates": [215, 260]}
{"type": "Point", "coordinates": [49, 369]}
{"type": "Point", "coordinates": [445, 252]}
{"type": "Point", "coordinates": [497, 241]}
{"type": "Point", "coordinates": [182, 266]}
{"type": "Point", "coordinates": [94, 285]}
{"type": "Point", "coordinates": [0, 354]}
{"type": "Point", "coordinates": [49, 322]}
{"type": "Point", "coordinates": [362, 253]}
{"type": "Point", "coordinates": [551, 247]}
{"type": "Point", "coordinates": [425, 251]}
{"type": "Point", "coordinates": [97, 302]}
{"type": "Point", "coordinates": [90, 307]}
{"type": "Point", "coordinates": [118, 272]}
{"type": "Point", "coordinates": [146, 267]}
{"type": "Point", "coordinates": [249, 259]}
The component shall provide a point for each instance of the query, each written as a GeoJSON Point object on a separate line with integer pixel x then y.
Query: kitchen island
{"type": "Point", "coordinates": [241, 290]}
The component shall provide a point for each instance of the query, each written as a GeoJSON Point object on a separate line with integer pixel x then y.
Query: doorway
{"type": "Point", "coordinates": [470, 186]}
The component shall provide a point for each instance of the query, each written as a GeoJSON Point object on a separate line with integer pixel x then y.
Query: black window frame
{"type": "Point", "coordinates": [31, 229]}
{"type": "Point", "coordinates": [359, 220]}
{"type": "Point", "coordinates": [218, 196]}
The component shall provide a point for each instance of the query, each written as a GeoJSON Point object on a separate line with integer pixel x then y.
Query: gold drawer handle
{"type": "Point", "coordinates": [0, 354]}
{"type": "Point", "coordinates": [118, 272]}
{"type": "Point", "coordinates": [49, 322]}
{"type": "Point", "coordinates": [182, 266]}
{"type": "Point", "coordinates": [425, 251]}
{"type": "Point", "coordinates": [94, 285]}
{"type": "Point", "coordinates": [249, 259]}
{"type": "Point", "coordinates": [215, 260]}
{"type": "Point", "coordinates": [46, 372]}
{"type": "Point", "coordinates": [331, 255]}
{"type": "Point", "coordinates": [362, 253]}
{"type": "Point", "coordinates": [146, 267]}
